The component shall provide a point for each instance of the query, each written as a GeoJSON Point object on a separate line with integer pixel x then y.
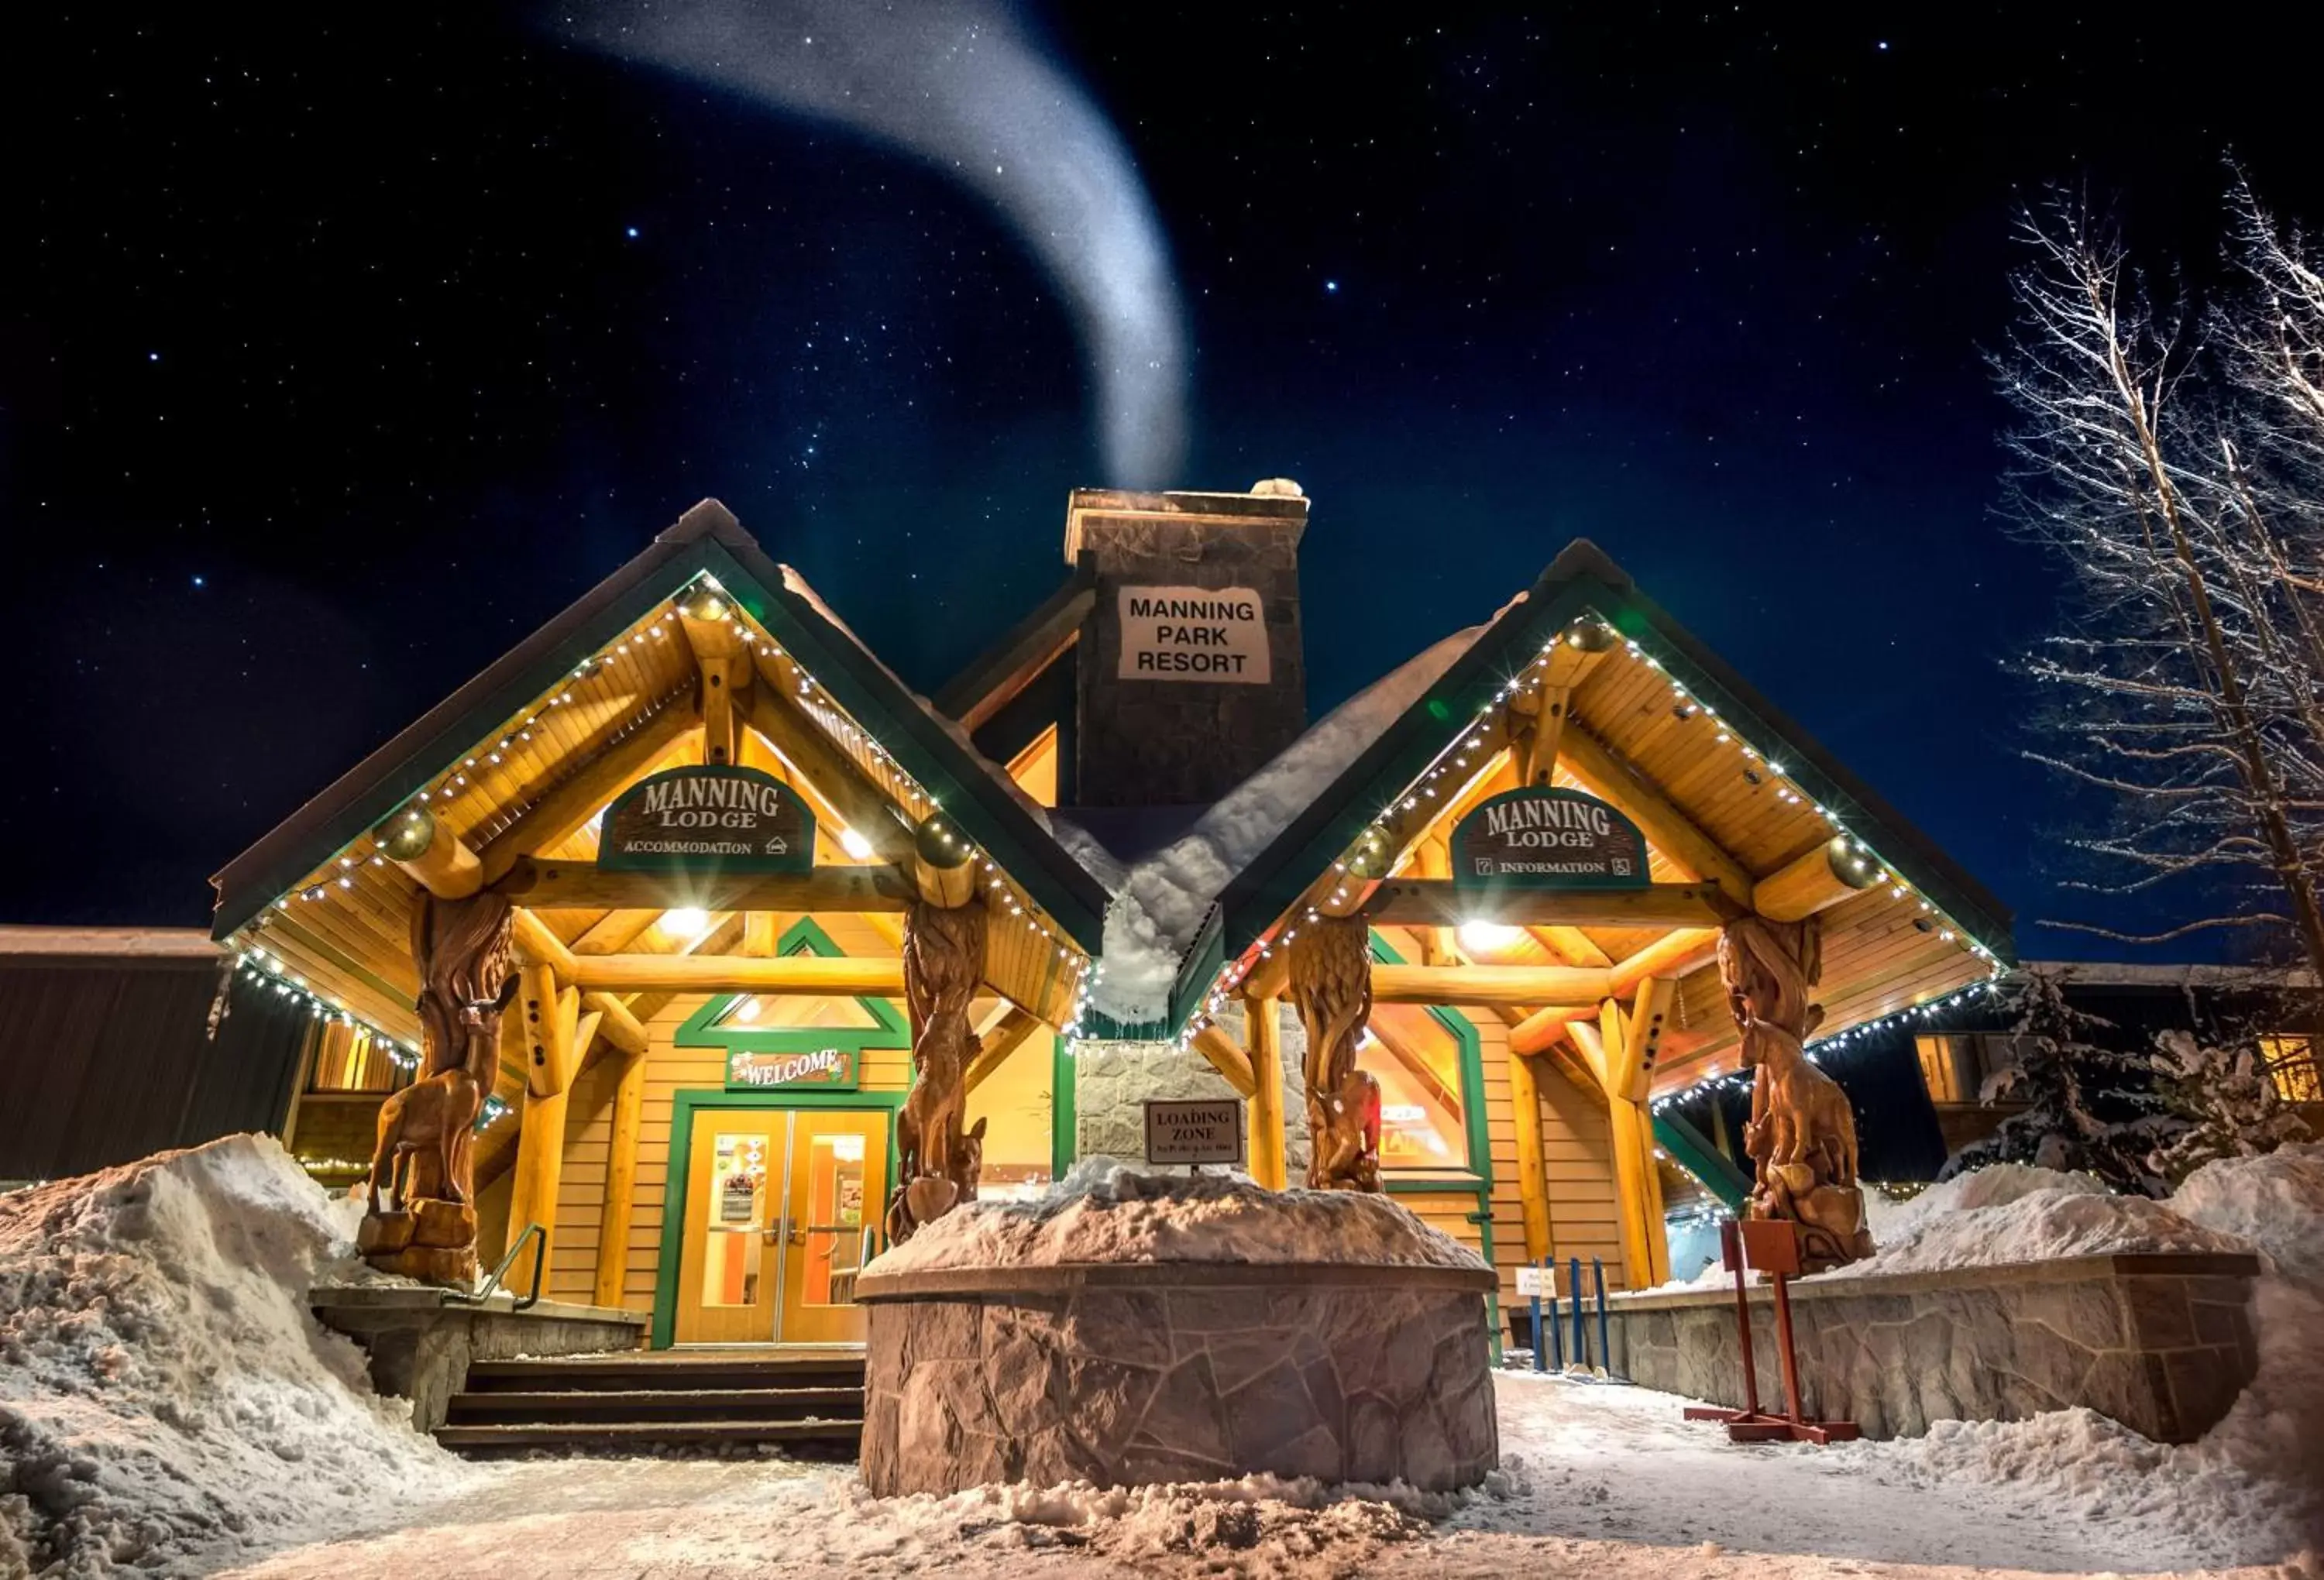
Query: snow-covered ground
{"type": "Point", "coordinates": [168, 1408]}
{"type": "Point", "coordinates": [1601, 1480]}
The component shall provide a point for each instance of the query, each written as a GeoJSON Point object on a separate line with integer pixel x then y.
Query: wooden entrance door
{"type": "Point", "coordinates": [731, 1268]}
{"type": "Point", "coordinates": [839, 1171]}
{"type": "Point", "coordinates": [782, 1208]}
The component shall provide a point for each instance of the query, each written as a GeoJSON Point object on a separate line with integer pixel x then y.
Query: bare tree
{"type": "Point", "coordinates": [2161, 456]}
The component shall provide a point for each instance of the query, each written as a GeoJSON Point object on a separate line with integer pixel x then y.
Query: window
{"type": "Point", "coordinates": [1940, 1072]}
{"type": "Point", "coordinates": [2292, 1066]}
{"type": "Point", "coordinates": [1416, 1058]}
{"type": "Point", "coordinates": [791, 1012]}
{"type": "Point", "coordinates": [349, 1059]}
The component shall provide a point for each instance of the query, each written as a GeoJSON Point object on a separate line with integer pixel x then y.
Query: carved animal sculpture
{"type": "Point", "coordinates": [1331, 986]}
{"type": "Point", "coordinates": [1802, 1133]}
{"type": "Point", "coordinates": [937, 1162]}
{"type": "Point", "coordinates": [425, 1132]}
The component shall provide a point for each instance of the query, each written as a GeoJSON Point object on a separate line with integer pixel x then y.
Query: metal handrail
{"type": "Point", "coordinates": [491, 1286]}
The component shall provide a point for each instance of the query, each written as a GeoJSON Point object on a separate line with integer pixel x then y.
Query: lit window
{"type": "Point", "coordinates": [2291, 1065]}
{"type": "Point", "coordinates": [1939, 1071]}
{"type": "Point", "coordinates": [1417, 1061]}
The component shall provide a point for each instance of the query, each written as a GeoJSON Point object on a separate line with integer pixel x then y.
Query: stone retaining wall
{"type": "Point", "coordinates": [2163, 1343]}
{"type": "Point", "coordinates": [1120, 1374]}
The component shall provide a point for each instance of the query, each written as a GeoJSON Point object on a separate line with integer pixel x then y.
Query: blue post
{"type": "Point", "coordinates": [1605, 1344]}
{"type": "Point", "coordinates": [1540, 1361]}
{"type": "Point", "coordinates": [1581, 1334]}
{"type": "Point", "coordinates": [1556, 1321]}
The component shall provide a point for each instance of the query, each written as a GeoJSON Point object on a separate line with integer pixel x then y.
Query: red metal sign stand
{"type": "Point", "coordinates": [1772, 1246]}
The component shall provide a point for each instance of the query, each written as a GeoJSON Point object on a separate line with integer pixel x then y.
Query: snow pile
{"type": "Point", "coordinates": [1104, 1212]}
{"type": "Point", "coordinates": [2011, 1212]}
{"type": "Point", "coordinates": [167, 1401]}
{"type": "Point", "coordinates": [2252, 1490]}
{"type": "Point", "coordinates": [1164, 898]}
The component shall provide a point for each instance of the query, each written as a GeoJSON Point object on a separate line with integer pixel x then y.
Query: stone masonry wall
{"type": "Point", "coordinates": [1149, 1379]}
{"type": "Point", "coordinates": [2163, 1343]}
{"type": "Point", "coordinates": [1111, 1081]}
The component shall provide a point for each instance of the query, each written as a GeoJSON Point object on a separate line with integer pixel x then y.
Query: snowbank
{"type": "Point", "coordinates": [1164, 898]}
{"type": "Point", "coordinates": [167, 1401]}
{"type": "Point", "coordinates": [2253, 1488]}
{"type": "Point", "coordinates": [1104, 1212]}
{"type": "Point", "coordinates": [2010, 1212]}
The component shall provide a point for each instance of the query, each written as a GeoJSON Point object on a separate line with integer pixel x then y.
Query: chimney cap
{"type": "Point", "coordinates": [1281, 487]}
{"type": "Point", "coordinates": [1275, 499]}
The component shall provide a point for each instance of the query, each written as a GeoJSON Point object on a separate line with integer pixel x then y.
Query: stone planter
{"type": "Point", "coordinates": [1158, 1372]}
{"type": "Point", "coordinates": [2162, 1343]}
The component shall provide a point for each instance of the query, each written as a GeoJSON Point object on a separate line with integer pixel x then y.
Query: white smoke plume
{"type": "Point", "coordinates": [962, 87]}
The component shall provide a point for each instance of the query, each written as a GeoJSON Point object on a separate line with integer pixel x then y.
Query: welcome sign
{"type": "Point", "coordinates": [1547, 837]}
{"type": "Point", "coordinates": [756, 1070]}
{"type": "Point", "coordinates": [1194, 633]}
{"type": "Point", "coordinates": [711, 819]}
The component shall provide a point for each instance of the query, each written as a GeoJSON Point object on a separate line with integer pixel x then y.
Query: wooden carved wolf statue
{"type": "Point", "coordinates": [1801, 1134]}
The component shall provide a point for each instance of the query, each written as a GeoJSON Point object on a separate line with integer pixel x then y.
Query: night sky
{"type": "Point", "coordinates": [340, 349]}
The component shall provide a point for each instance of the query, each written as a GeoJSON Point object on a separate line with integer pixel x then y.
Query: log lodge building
{"type": "Point", "coordinates": [715, 819]}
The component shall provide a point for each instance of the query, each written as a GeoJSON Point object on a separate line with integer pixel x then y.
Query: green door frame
{"type": "Point", "coordinates": [684, 1105]}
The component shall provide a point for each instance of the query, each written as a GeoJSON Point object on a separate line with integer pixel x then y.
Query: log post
{"type": "Point", "coordinates": [550, 1021]}
{"type": "Point", "coordinates": [621, 1182]}
{"type": "Point", "coordinates": [1636, 1192]}
{"type": "Point", "coordinates": [1331, 986]}
{"type": "Point", "coordinates": [1533, 1168]}
{"type": "Point", "coordinates": [1802, 1135]}
{"type": "Point", "coordinates": [1264, 1034]}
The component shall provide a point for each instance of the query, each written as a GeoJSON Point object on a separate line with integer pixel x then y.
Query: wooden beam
{"type": "Point", "coordinates": [1643, 1024]}
{"type": "Point", "coordinates": [617, 1023]}
{"type": "Point", "coordinates": [1639, 1189]}
{"type": "Point", "coordinates": [837, 780]}
{"type": "Point", "coordinates": [759, 938]}
{"type": "Point", "coordinates": [1270, 976]}
{"type": "Point", "coordinates": [1228, 1059]}
{"type": "Point", "coordinates": [1517, 985]}
{"type": "Point", "coordinates": [581, 885]}
{"type": "Point", "coordinates": [1673, 955]}
{"type": "Point", "coordinates": [582, 794]}
{"type": "Point", "coordinates": [1819, 878]}
{"type": "Point", "coordinates": [996, 1045]}
{"type": "Point", "coordinates": [726, 670]}
{"type": "Point", "coordinates": [818, 974]}
{"type": "Point", "coordinates": [1609, 777]}
{"type": "Point", "coordinates": [537, 944]}
{"type": "Point", "coordinates": [1586, 1039]}
{"type": "Point", "coordinates": [1533, 1169]}
{"type": "Point", "coordinates": [1263, 1034]}
{"type": "Point", "coordinates": [447, 867]}
{"type": "Point", "coordinates": [1423, 901]}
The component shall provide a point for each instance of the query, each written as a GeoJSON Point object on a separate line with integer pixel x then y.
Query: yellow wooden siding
{"type": "Point", "coordinates": [589, 1119]}
{"type": "Point", "coordinates": [1577, 1157]}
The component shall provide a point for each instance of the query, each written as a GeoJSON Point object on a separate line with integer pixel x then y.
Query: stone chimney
{"type": "Point", "coordinates": [1191, 670]}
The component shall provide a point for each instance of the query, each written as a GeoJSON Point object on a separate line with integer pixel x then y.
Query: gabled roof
{"type": "Point", "coordinates": [1582, 580]}
{"type": "Point", "coordinates": [706, 539]}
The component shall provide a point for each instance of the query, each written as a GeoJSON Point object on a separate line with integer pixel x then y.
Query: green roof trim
{"type": "Point", "coordinates": [706, 539]}
{"type": "Point", "coordinates": [1580, 581]}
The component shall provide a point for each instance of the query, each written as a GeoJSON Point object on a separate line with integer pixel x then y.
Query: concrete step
{"type": "Point", "coordinates": [664, 1372]}
{"type": "Point", "coordinates": [512, 1406]}
{"type": "Point", "coordinates": [835, 1437]}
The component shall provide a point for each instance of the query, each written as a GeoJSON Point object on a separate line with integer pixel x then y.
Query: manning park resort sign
{"type": "Point", "coordinates": [1194, 633]}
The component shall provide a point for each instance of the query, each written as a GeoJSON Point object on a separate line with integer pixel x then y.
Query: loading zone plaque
{"type": "Point", "coordinates": [1547, 837]}
{"type": "Point", "coordinates": [710, 819]}
{"type": "Point", "coordinates": [1206, 1132]}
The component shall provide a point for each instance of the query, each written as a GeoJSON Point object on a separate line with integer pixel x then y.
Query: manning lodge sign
{"type": "Point", "coordinates": [1546, 837]}
{"type": "Point", "coordinates": [712, 818]}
